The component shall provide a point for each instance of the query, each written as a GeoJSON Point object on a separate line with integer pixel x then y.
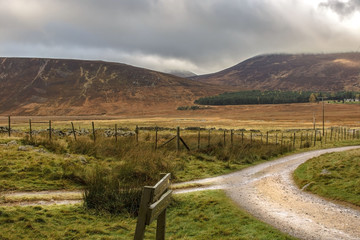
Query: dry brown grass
{"type": "Point", "coordinates": [264, 117]}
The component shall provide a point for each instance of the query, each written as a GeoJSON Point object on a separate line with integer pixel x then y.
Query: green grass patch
{"type": "Point", "coordinates": [202, 215]}
{"type": "Point", "coordinates": [31, 168]}
{"type": "Point", "coordinates": [333, 175]}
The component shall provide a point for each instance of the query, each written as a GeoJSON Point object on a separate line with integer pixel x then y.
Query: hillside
{"type": "Point", "coordinates": [320, 72]}
{"type": "Point", "coordinates": [75, 87]}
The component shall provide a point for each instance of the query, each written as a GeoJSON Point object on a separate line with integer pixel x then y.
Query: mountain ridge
{"type": "Point", "coordinates": [318, 72]}
{"type": "Point", "coordinates": [45, 86]}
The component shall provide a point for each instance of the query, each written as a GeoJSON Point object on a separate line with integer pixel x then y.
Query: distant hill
{"type": "Point", "coordinates": [320, 72]}
{"type": "Point", "coordinates": [32, 86]}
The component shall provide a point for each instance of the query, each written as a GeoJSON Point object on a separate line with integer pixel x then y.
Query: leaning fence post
{"type": "Point", "coordinates": [73, 130]}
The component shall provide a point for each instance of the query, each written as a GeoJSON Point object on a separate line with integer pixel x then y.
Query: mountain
{"type": "Point", "coordinates": [33, 86]}
{"type": "Point", "coordinates": [320, 72]}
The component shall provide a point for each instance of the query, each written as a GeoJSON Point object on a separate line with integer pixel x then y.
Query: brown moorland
{"type": "Point", "coordinates": [270, 116]}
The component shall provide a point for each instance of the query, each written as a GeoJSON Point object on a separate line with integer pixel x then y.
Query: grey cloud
{"type": "Point", "coordinates": [342, 8]}
{"type": "Point", "coordinates": [202, 35]}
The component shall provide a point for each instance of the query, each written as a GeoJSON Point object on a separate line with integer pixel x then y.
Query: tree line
{"type": "Point", "coordinates": [275, 97]}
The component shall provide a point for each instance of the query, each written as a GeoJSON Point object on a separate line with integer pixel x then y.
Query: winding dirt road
{"type": "Point", "coordinates": [268, 192]}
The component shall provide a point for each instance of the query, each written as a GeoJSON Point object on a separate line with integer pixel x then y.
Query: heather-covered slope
{"type": "Point", "coordinates": [75, 87]}
{"type": "Point", "coordinates": [320, 72]}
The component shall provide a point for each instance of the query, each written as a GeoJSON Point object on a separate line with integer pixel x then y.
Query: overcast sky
{"type": "Point", "coordinates": [202, 36]}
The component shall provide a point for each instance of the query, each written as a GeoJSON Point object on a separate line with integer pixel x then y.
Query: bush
{"type": "Point", "coordinates": [105, 192]}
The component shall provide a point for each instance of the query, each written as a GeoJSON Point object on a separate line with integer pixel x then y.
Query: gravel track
{"type": "Point", "coordinates": [268, 192]}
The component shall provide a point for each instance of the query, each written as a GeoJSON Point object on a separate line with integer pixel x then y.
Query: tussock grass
{"type": "Point", "coordinates": [333, 175]}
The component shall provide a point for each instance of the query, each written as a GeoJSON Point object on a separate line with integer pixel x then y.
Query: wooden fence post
{"type": "Point", "coordinates": [93, 129]}
{"type": "Point", "coordinates": [156, 136]}
{"type": "Point", "coordinates": [73, 130]}
{"type": "Point", "coordinates": [250, 137]}
{"type": "Point", "coordinates": [315, 139]}
{"type": "Point", "coordinates": [301, 139]}
{"type": "Point", "coordinates": [30, 130]}
{"type": "Point", "coordinates": [137, 133]}
{"type": "Point", "coordinates": [50, 130]}
{"type": "Point", "coordinates": [267, 137]}
{"type": "Point", "coordinates": [282, 138]}
{"type": "Point", "coordinates": [276, 139]}
{"type": "Point", "coordinates": [116, 130]}
{"type": "Point", "coordinates": [331, 134]}
{"type": "Point", "coordinates": [294, 140]}
{"type": "Point", "coordinates": [232, 137]}
{"type": "Point", "coordinates": [9, 126]}
{"type": "Point", "coordinates": [178, 138]}
{"type": "Point", "coordinates": [242, 137]}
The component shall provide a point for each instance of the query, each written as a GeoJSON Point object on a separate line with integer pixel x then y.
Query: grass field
{"type": "Point", "coordinates": [202, 215]}
{"type": "Point", "coordinates": [334, 175]}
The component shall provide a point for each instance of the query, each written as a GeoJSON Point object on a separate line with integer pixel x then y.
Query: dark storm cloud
{"type": "Point", "coordinates": [342, 8]}
{"type": "Point", "coordinates": [196, 35]}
